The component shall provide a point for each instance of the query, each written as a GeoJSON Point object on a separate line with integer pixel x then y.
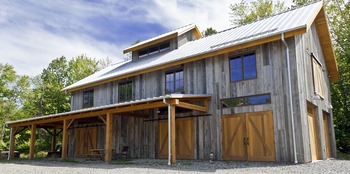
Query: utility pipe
{"type": "Point", "coordinates": [169, 133]}
{"type": "Point", "coordinates": [290, 98]}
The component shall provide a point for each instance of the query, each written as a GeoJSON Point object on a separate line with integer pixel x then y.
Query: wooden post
{"type": "Point", "coordinates": [53, 140]}
{"type": "Point", "coordinates": [12, 142]}
{"type": "Point", "coordinates": [108, 145]}
{"type": "Point", "coordinates": [173, 135]}
{"type": "Point", "coordinates": [32, 141]}
{"type": "Point", "coordinates": [64, 139]}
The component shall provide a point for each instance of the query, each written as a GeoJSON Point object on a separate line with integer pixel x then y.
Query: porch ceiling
{"type": "Point", "coordinates": [97, 114]}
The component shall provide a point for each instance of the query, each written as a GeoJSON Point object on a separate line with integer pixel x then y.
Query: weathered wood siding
{"type": "Point", "coordinates": [305, 45]}
{"type": "Point", "coordinates": [212, 76]}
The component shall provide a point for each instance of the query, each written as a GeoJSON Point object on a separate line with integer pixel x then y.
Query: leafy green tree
{"type": "Point", "coordinates": [208, 32]}
{"type": "Point", "coordinates": [303, 2]}
{"type": "Point", "coordinates": [244, 12]}
{"type": "Point", "coordinates": [338, 17]}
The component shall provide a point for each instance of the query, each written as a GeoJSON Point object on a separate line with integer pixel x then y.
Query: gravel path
{"type": "Point", "coordinates": [160, 166]}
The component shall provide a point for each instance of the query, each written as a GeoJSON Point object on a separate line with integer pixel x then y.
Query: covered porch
{"type": "Point", "coordinates": [104, 115]}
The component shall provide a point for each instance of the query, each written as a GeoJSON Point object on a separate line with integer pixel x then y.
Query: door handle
{"type": "Point", "coordinates": [247, 141]}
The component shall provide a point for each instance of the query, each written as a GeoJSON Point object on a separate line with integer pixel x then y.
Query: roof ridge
{"type": "Point", "coordinates": [292, 8]}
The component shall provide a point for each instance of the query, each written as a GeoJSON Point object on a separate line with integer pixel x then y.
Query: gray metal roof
{"type": "Point", "coordinates": [172, 96]}
{"type": "Point", "coordinates": [287, 21]}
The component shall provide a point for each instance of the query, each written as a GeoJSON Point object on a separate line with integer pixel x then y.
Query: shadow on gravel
{"type": "Point", "coordinates": [182, 165]}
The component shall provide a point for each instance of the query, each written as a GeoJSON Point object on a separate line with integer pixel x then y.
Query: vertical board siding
{"type": "Point", "coordinates": [212, 76]}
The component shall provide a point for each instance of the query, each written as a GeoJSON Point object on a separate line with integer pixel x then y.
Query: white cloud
{"type": "Point", "coordinates": [33, 33]}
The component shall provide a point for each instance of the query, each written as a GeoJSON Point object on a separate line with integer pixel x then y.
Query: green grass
{"type": "Point", "coordinates": [123, 162]}
{"type": "Point", "coordinates": [343, 156]}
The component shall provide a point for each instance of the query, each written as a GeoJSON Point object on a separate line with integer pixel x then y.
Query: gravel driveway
{"type": "Point", "coordinates": [160, 166]}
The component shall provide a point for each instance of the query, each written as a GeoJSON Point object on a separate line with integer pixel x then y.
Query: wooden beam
{"type": "Point", "coordinates": [173, 134]}
{"type": "Point", "coordinates": [53, 140]}
{"type": "Point", "coordinates": [19, 131]}
{"type": "Point", "coordinates": [122, 109]}
{"type": "Point", "coordinates": [32, 141]}
{"type": "Point", "coordinates": [192, 106]}
{"type": "Point", "coordinates": [70, 122]}
{"type": "Point", "coordinates": [12, 142]}
{"type": "Point", "coordinates": [108, 145]}
{"type": "Point", "coordinates": [102, 119]}
{"type": "Point", "coordinates": [64, 140]}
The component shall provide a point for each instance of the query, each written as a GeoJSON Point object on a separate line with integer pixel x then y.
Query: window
{"type": "Point", "coordinates": [317, 77]}
{"type": "Point", "coordinates": [246, 101]}
{"type": "Point", "coordinates": [125, 91]}
{"type": "Point", "coordinates": [154, 49]}
{"type": "Point", "coordinates": [243, 67]}
{"type": "Point", "coordinates": [88, 99]}
{"type": "Point", "coordinates": [174, 82]}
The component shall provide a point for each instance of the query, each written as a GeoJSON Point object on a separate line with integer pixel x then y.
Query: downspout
{"type": "Point", "coordinates": [169, 133]}
{"type": "Point", "coordinates": [290, 98]}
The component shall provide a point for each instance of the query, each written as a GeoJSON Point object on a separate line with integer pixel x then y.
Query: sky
{"type": "Point", "coordinates": [34, 32]}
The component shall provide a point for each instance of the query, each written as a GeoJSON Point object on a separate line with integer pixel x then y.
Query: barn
{"type": "Point", "coordinates": [256, 92]}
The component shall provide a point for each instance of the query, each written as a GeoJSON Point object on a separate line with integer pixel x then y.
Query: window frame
{"type": "Point", "coordinates": [119, 91]}
{"type": "Point", "coordinates": [173, 72]}
{"type": "Point", "coordinates": [242, 56]}
{"type": "Point", "coordinates": [89, 98]}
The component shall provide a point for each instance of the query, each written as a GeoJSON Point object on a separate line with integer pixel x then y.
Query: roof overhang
{"type": "Point", "coordinates": [164, 38]}
{"type": "Point", "coordinates": [127, 108]}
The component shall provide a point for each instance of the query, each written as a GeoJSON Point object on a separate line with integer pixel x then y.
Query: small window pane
{"type": "Point", "coordinates": [246, 101]}
{"type": "Point", "coordinates": [236, 74]}
{"type": "Point", "coordinates": [255, 100]}
{"type": "Point", "coordinates": [88, 99]}
{"type": "Point", "coordinates": [249, 72]}
{"type": "Point", "coordinates": [125, 92]}
{"type": "Point", "coordinates": [165, 46]}
{"type": "Point", "coordinates": [153, 50]}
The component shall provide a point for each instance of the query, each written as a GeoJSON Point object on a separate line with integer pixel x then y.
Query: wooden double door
{"type": "Point", "coordinates": [248, 137]}
{"type": "Point", "coordinates": [184, 138]}
{"type": "Point", "coordinates": [85, 140]}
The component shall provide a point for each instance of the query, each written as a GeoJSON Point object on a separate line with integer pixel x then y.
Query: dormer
{"type": "Point", "coordinates": [164, 43]}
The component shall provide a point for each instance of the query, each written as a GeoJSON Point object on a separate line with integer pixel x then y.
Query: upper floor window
{"type": "Point", "coordinates": [125, 91]}
{"type": "Point", "coordinates": [317, 77]}
{"type": "Point", "coordinates": [174, 82]}
{"type": "Point", "coordinates": [88, 99]}
{"type": "Point", "coordinates": [243, 67]}
{"type": "Point", "coordinates": [154, 49]}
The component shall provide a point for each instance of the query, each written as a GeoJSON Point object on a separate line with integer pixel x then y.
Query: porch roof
{"type": "Point", "coordinates": [179, 100]}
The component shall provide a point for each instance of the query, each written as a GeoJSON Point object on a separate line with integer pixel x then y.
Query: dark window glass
{"type": "Point", "coordinates": [243, 68]}
{"type": "Point", "coordinates": [88, 99]}
{"type": "Point", "coordinates": [125, 92]}
{"type": "Point", "coordinates": [153, 50]}
{"type": "Point", "coordinates": [174, 82]}
{"type": "Point", "coordinates": [165, 46]}
{"type": "Point", "coordinates": [246, 101]}
{"type": "Point", "coordinates": [143, 53]}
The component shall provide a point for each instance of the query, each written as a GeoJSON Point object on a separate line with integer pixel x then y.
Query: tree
{"type": "Point", "coordinates": [303, 2]}
{"type": "Point", "coordinates": [208, 32]}
{"type": "Point", "coordinates": [338, 17]}
{"type": "Point", "coordinates": [244, 12]}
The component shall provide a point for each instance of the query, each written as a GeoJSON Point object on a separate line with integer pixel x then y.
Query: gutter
{"type": "Point", "coordinates": [290, 98]}
{"type": "Point", "coordinates": [169, 133]}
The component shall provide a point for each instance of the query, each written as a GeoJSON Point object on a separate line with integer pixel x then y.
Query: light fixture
{"type": "Point", "coordinates": [211, 156]}
{"type": "Point", "coordinates": [316, 97]}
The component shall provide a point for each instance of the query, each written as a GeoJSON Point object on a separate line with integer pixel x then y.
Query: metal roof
{"type": "Point", "coordinates": [275, 25]}
{"type": "Point", "coordinates": [170, 96]}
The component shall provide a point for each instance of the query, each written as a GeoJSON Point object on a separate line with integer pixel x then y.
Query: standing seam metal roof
{"type": "Point", "coordinates": [274, 25]}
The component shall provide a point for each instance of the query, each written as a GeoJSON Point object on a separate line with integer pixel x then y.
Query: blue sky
{"type": "Point", "coordinates": [34, 32]}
